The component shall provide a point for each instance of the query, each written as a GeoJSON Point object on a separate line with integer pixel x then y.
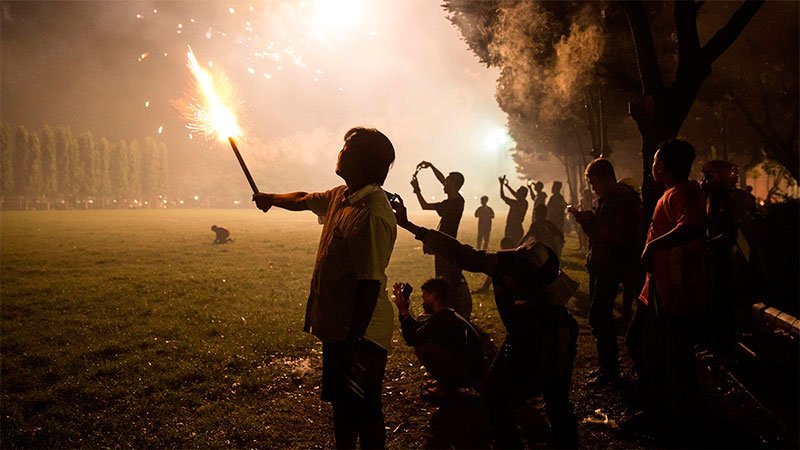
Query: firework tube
{"type": "Point", "coordinates": [244, 166]}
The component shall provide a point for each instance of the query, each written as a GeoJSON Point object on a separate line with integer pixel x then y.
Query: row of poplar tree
{"type": "Point", "coordinates": [54, 168]}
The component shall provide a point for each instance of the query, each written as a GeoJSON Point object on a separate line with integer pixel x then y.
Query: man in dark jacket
{"type": "Point", "coordinates": [445, 343]}
{"type": "Point", "coordinates": [540, 345]}
{"type": "Point", "coordinates": [613, 234]}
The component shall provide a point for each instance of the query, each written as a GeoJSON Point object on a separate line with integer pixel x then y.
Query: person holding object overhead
{"type": "Point", "coordinates": [348, 306]}
{"type": "Point", "coordinates": [517, 207]}
{"type": "Point", "coordinates": [450, 211]}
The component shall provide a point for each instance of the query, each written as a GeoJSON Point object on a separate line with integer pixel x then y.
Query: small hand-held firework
{"type": "Point", "coordinates": [209, 115]}
{"type": "Point", "coordinates": [244, 166]}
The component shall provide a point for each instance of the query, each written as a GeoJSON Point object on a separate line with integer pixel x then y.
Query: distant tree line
{"type": "Point", "coordinates": [55, 168]}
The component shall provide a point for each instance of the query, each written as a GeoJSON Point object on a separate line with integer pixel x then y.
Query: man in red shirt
{"type": "Point", "coordinates": [674, 297]}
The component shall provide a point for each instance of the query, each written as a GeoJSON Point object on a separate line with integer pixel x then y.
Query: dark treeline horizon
{"type": "Point", "coordinates": [54, 167]}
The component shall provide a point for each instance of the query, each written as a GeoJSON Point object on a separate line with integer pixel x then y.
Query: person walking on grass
{"type": "Point", "coordinates": [348, 307]}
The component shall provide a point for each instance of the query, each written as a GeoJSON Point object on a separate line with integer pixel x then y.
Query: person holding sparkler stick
{"type": "Point", "coordinates": [348, 306]}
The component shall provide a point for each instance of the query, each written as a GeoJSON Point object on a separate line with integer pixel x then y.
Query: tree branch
{"type": "Point", "coordinates": [764, 133]}
{"type": "Point", "coordinates": [723, 39]}
{"type": "Point", "coordinates": [646, 58]}
{"type": "Point", "coordinates": [686, 29]}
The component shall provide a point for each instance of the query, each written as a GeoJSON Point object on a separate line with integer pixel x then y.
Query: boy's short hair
{"type": "Point", "coordinates": [522, 191]}
{"type": "Point", "coordinates": [538, 185]}
{"type": "Point", "coordinates": [375, 152]}
{"type": "Point", "coordinates": [677, 157]}
{"type": "Point", "coordinates": [457, 178]}
{"type": "Point", "coordinates": [439, 286]}
{"type": "Point", "coordinates": [557, 185]}
{"type": "Point", "coordinates": [484, 199]}
{"type": "Point", "coordinates": [602, 168]}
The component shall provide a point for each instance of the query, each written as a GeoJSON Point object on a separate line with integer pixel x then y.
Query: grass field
{"type": "Point", "coordinates": [129, 329]}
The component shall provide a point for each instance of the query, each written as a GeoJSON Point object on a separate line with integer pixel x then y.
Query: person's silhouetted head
{"type": "Point", "coordinates": [521, 193]}
{"type": "Point", "coordinates": [540, 213]}
{"type": "Point", "coordinates": [365, 158]}
{"type": "Point", "coordinates": [601, 176]}
{"type": "Point", "coordinates": [556, 187]}
{"type": "Point", "coordinates": [484, 200]}
{"type": "Point", "coordinates": [538, 186]}
{"type": "Point", "coordinates": [213, 228]}
{"type": "Point", "coordinates": [435, 294]}
{"type": "Point", "coordinates": [453, 182]}
{"type": "Point", "coordinates": [673, 161]}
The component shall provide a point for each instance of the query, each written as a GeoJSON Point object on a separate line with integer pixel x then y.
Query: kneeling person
{"type": "Point", "coordinates": [445, 343]}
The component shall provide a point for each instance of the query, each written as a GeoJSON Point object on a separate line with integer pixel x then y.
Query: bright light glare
{"type": "Point", "coordinates": [498, 139]}
{"type": "Point", "coordinates": [212, 116]}
{"type": "Point", "coordinates": [338, 15]}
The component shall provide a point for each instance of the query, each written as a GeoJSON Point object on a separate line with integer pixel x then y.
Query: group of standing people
{"type": "Point", "coordinates": [349, 310]}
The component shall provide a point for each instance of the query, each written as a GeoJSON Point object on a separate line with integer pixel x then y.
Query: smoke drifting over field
{"type": "Point", "coordinates": [304, 72]}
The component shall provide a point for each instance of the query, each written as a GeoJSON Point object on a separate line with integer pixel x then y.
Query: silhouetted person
{"type": "Point", "coordinates": [445, 343]}
{"type": "Point", "coordinates": [485, 215]}
{"type": "Point", "coordinates": [556, 206]}
{"type": "Point", "coordinates": [450, 211]}
{"type": "Point", "coordinates": [540, 344]}
{"type": "Point", "coordinates": [538, 196]}
{"type": "Point", "coordinates": [727, 209]}
{"type": "Point", "coordinates": [612, 229]}
{"type": "Point", "coordinates": [517, 206]}
{"type": "Point", "coordinates": [348, 307]}
{"type": "Point", "coordinates": [674, 297]}
{"type": "Point", "coordinates": [545, 232]}
{"type": "Point", "coordinates": [223, 235]}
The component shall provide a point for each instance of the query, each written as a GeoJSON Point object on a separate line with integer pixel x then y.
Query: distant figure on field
{"type": "Point", "coordinates": [546, 232]}
{"type": "Point", "coordinates": [223, 235]}
{"type": "Point", "coordinates": [556, 207]}
{"type": "Point", "coordinates": [485, 215]}
{"type": "Point", "coordinates": [445, 343]}
{"type": "Point", "coordinates": [518, 205]}
{"type": "Point", "coordinates": [450, 211]}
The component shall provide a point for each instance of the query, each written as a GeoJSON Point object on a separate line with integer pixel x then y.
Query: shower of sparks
{"type": "Point", "coordinates": [207, 111]}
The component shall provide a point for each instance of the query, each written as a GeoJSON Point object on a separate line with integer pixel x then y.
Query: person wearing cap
{"type": "Point", "coordinates": [540, 345]}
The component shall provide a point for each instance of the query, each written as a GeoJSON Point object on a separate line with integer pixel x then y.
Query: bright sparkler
{"type": "Point", "coordinates": [210, 116]}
